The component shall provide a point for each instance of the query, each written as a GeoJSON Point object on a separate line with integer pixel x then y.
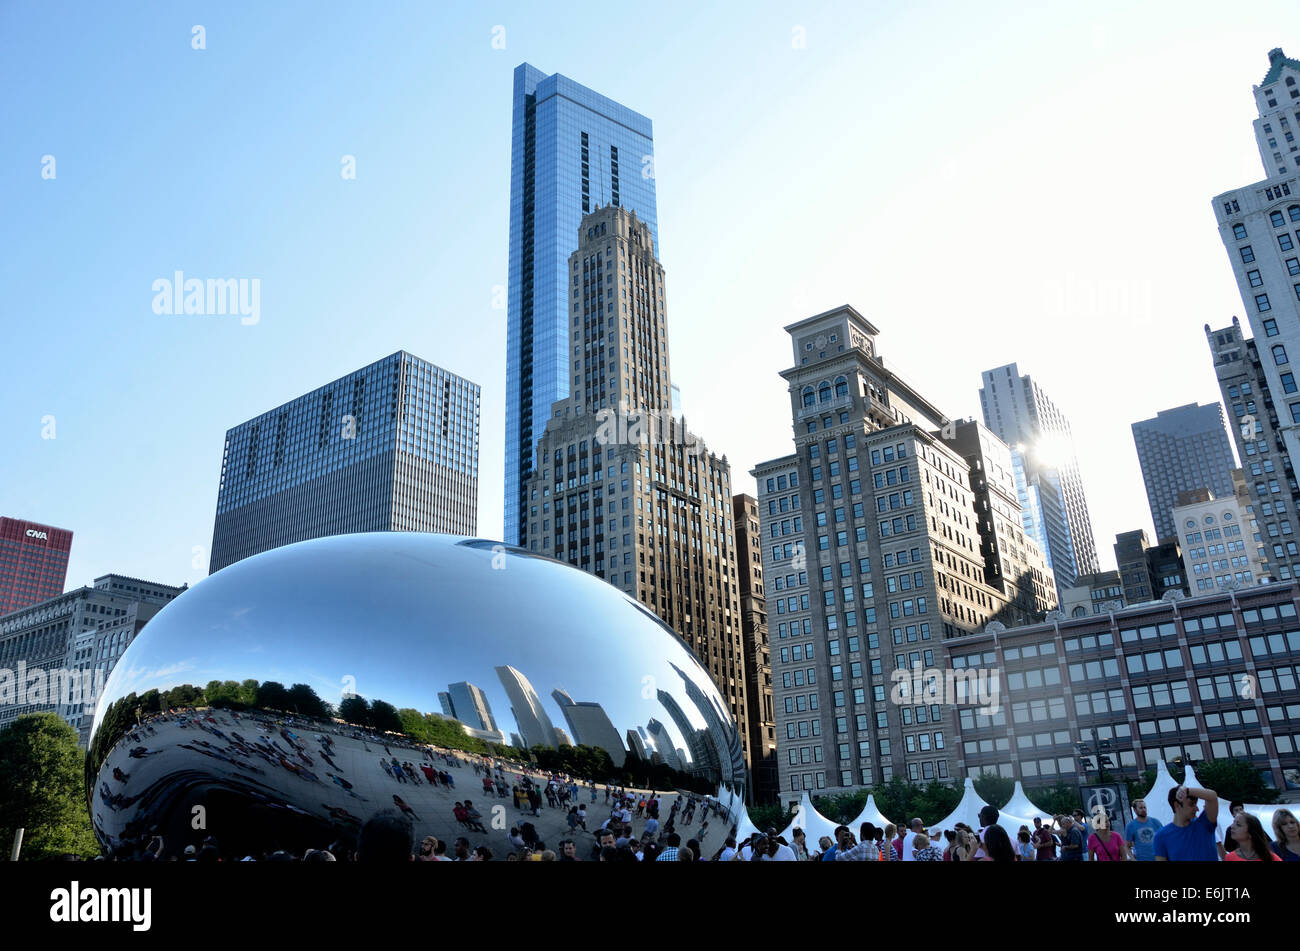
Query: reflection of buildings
{"type": "Point", "coordinates": [620, 488]}
{"type": "Point", "coordinates": [82, 633]}
{"type": "Point", "coordinates": [719, 730]}
{"type": "Point", "coordinates": [562, 738]}
{"type": "Point", "coordinates": [590, 725]}
{"type": "Point", "coordinates": [392, 447]}
{"type": "Point", "coordinates": [470, 706]}
{"type": "Point", "coordinates": [703, 754]}
{"type": "Point", "coordinates": [662, 744]}
{"type": "Point", "coordinates": [637, 745]}
{"type": "Point", "coordinates": [535, 727]}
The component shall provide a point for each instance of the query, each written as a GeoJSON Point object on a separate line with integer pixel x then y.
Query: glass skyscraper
{"type": "Point", "coordinates": [572, 150]}
{"type": "Point", "coordinates": [392, 447]}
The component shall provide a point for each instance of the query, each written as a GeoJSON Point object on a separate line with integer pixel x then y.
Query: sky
{"type": "Point", "coordinates": [986, 183]}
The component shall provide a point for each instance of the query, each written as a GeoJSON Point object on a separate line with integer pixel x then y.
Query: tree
{"type": "Point", "coordinates": [994, 789]}
{"type": "Point", "coordinates": [1235, 780]}
{"type": "Point", "coordinates": [1060, 798]}
{"type": "Point", "coordinates": [42, 788]}
{"type": "Point", "coordinates": [305, 701]}
{"type": "Point", "coordinates": [383, 717]}
{"type": "Point", "coordinates": [272, 696]}
{"type": "Point", "coordinates": [354, 709]}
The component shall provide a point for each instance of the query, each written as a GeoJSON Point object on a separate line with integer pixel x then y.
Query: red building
{"type": "Point", "coordinates": [33, 562]}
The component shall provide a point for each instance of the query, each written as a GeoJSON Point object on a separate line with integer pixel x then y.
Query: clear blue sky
{"type": "Point", "coordinates": [986, 182]}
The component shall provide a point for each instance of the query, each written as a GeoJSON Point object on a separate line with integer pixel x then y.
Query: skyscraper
{"type": "Point", "coordinates": [758, 661]}
{"type": "Point", "coordinates": [392, 447]}
{"type": "Point", "coordinates": [619, 487]}
{"type": "Point", "coordinates": [571, 150]}
{"type": "Point", "coordinates": [1255, 427]}
{"type": "Point", "coordinates": [1054, 509]}
{"type": "Point", "coordinates": [878, 556]}
{"type": "Point", "coordinates": [1260, 228]}
{"type": "Point", "coordinates": [33, 562]}
{"type": "Point", "coordinates": [1181, 449]}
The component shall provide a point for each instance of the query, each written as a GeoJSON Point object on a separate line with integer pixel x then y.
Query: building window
{"type": "Point", "coordinates": [1247, 254]}
{"type": "Point", "coordinates": [1279, 355]}
{"type": "Point", "coordinates": [1254, 278]}
{"type": "Point", "coordinates": [1270, 328]}
{"type": "Point", "coordinates": [1261, 301]}
{"type": "Point", "coordinates": [1284, 242]}
{"type": "Point", "coordinates": [1239, 231]}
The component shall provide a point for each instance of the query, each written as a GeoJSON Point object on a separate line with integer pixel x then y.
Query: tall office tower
{"type": "Point", "coordinates": [874, 558]}
{"type": "Point", "coordinates": [1013, 562]}
{"type": "Point", "coordinates": [1147, 571]}
{"type": "Point", "coordinates": [469, 704]}
{"type": "Point", "coordinates": [571, 151]}
{"type": "Point", "coordinates": [765, 779]}
{"type": "Point", "coordinates": [63, 648]}
{"type": "Point", "coordinates": [535, 727]}
{"type": "Point", "coordinates": [1260, 228]}
{"type": "Point", "coordinates": [591, 725]}
{"type": "Point", "coordinates": [1053, 507]}
{"type": "Point", "coordinates": [1180, 449]}
{"type": "Point", "coordinates": [1269, 474]}
{"type": "Point", "coordinates": [620, 488]}
{"type": "Point", "coordinates": [33, 562]}
{"type": "Point", "coordinates": [392, 447]}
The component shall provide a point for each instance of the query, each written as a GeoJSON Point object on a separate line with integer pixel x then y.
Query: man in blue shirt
{"type": "Point", "coordinates": [1141, 832]}
{"type": "Point", "coordinates": [1190, 837]}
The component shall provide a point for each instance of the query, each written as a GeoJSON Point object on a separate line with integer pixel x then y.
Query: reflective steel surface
{"type": "Point", "coordinates": [519, 648]}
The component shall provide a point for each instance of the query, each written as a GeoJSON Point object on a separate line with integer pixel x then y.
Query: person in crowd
{"type": "Point", "coordinates": [669, 854]}
{"type": "Point", "coordinates": [923, 851]}
{"type": "Point", "coordinates": [1044, 842]}
{"type": "Point", "coordinates": [387, 837]}
{"type": "Point", "coordinates": [1251, 843]}
{"type": "Point", "coordinates": [1141, 831]}
{"type": "Point", "coordinates": [1024, 845]}
{"type": "Point", "coordinates": [963, 847]}
{"type": "Point", "coordinates": [1105, 844]}
{"type": "Point", "coordinates": [997, 845]}
{"type": "Point", "coordinates": [428, 845]}
{"type": "Point", "coordinates": [1286, 835]}
{"type": "Point", "coordinates": [1073, 843]}
{"type": "Point", "coordinates": [1191, 836]}
{"type": "Point", "coordinates": [887, 843]}
{"type": "Point", "coordinates": [1229, 844]}
{"type": "Point", "coordinates": [728, 851]}
{"type": "Point", "coordinates": [915, 827]}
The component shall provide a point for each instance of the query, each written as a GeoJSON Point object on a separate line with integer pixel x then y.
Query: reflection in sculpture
{"type": "Point", "coordinates": [294, 694]}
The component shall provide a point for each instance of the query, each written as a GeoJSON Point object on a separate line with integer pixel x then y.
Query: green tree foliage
{"type": "Point", "coordinates": [42, 790]}
{"type": "Point", "coordinates": [304, 701]}
{"type": "Point", "coordinates": [354, 709]}
{"type": "Point", "coordinates": [1058, 799]}
{"type": "Point", "coordinates": [383, 717]}
{"type": "Point", "coordinates": [994, 789]}
{"type": "Point", "coordinates": [271, 695]}
{"type": "Point", "coordinates": [772, 816]}
{"type": "Point", "coordinates": [1235, 780]}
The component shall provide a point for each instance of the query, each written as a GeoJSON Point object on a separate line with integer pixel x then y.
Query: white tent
{"type": "Point", "coordinates": [745, 826]}
{"type": "Point", "coordinates": [968, 811]}
{"type": "Point", "coordinates": [870, 813]}
{"type": "Point", "coordinates": [725, 800]}
{"type": "Point", "coordinates": [1020, 805]}
{"type": "Point", "coordinates": [813, 823]}
{"type": "Point", "coordinates": [1157, 798]}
